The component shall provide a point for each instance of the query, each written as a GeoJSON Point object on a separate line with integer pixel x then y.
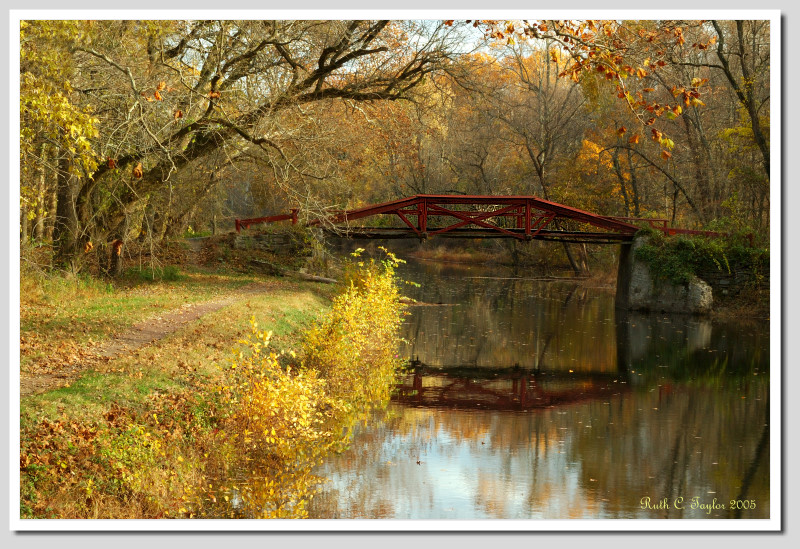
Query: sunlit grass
{"type": "Point", "coordinates": [162, 398]}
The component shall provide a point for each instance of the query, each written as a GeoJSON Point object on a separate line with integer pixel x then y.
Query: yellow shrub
{"type": "Point", "coordinates": [354, 347]}
{"type": "Point", "coordinates": [282, 421]}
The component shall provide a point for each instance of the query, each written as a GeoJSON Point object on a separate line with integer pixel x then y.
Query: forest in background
{"type": "Point", "coordinates": [135, 132]}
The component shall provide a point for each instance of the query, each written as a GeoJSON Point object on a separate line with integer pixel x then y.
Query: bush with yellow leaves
{"type": "Point", "coordinates": [283, 421]}
{"type": "Point", "coordinates": [354, 348]}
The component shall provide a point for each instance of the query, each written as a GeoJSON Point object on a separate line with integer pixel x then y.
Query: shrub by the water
{"type": "Point", "coordinates": [282, 422]}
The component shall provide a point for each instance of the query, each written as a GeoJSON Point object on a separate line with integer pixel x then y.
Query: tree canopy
{"type": "Point", "coordinates": [133, 128]}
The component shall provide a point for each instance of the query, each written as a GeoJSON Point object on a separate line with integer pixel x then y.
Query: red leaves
{"type": "Point", "coordinates": [137, 171]}
{"type": "Point", "coordinates": [621, 131]}
{"type": "Point", "coordinates": [112, 164]}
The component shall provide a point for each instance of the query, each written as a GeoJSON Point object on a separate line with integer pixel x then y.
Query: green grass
{"type": "Point", "coordinates": [59, 317]}
{"type": "Point", "coordinates": [163, 392]}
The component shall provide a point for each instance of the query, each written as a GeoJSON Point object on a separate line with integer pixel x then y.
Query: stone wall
{"type": "Point", "coordinates": [727, 284]}
{"type": "Point", "coordinates": [277, 243]}
{"type": "Point", "coordinates": [638, 289]}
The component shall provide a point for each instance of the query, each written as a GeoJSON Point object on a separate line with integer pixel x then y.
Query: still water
{"type": "Point", "coordinates": [536, 399]}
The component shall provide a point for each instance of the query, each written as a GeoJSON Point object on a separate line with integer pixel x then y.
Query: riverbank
{"type": "Point", "coordinates": [162, 429]}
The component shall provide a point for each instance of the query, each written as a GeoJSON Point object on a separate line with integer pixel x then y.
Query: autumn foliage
{"type": "Point", "coordinates": [285, 415]}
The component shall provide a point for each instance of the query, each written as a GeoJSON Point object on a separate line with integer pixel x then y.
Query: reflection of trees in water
{"type": "Point", "coordinates": [502, 323]}
{"type": "Point", "coordinates": [595, 459]}
{"type": "Point", "coordinates": [691, 425]}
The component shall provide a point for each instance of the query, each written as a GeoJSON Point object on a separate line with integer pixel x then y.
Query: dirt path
{"type": "Point", "coordinates": [138, 336]}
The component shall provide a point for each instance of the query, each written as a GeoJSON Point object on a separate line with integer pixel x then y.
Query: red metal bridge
{"type": "Point", "coordinates": [522, 217]}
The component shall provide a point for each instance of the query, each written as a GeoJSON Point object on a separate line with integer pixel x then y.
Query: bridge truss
{"type": "Point", "coordinates": [464, 216]}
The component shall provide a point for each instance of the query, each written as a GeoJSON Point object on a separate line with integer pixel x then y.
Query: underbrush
{"type": "Point", "coordinates": [679, 258]}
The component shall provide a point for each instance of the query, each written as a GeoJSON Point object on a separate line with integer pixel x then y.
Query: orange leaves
{"type": "Point", "coordinates": [88, 247]}
{"type": "Point", "coordinates": [157, 95]}
{"type": "Point", "coordinates": [634, 139]}
{"type": "Point", "coordinates": [178, 115]}
{"type": "Point", "coordinates": [641, 73]}
{"type": "Point", "coordinates": [214, 95]}
{"type": "Point", "coordinates": [666, 155]}
{"type": "Point", "coordinates": [621, 131]}
{"type": "Point", "coordinates": [117, 247]}
{"type": "Point", "coordinates": [656, 135]}
{"type": "Point", "coordinates": [137, 171]}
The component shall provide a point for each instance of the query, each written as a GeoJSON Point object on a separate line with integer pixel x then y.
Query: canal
{"type": "Point", "coordinates": [535, 399]}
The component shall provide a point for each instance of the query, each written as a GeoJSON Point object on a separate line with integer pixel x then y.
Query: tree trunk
{"type": "Point", "coordinates": [621, 178]}
{"type": "Point", "coordinates": [634, 186]}
{"type": "Point", "coordinates": [41, 180]}
{"type": "Point", "coordinates": [23, 225]}
{"type": "Point", "coordinates": [51, 213]}
{"type": "Point", "coordinates": [65, 230]}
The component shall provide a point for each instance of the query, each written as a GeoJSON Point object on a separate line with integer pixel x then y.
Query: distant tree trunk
{"type": "Point", "coordinates": [115, 259]}
{"type": "Point", "coordinates": [41, 180]}
{"type": "Point", "coordinates": [622, 185]}
{"type": "Point", "coordinates": [23, 225]}
{"type": "Point", "coordinates": [634, 186]}
{"type": "Point", "coordinates": [65, 231]}
{"type": "Point", "coordinates": [51, 213]}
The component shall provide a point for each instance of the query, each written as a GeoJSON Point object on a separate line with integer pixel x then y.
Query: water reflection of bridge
{"type": "Point", "coordinates": [515, 388]}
